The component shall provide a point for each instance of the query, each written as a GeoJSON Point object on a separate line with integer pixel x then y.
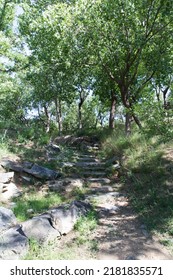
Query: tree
{"type": "Point", "coordinates": [126, 38]}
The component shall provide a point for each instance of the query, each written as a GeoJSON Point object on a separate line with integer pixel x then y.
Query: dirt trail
{"type": "Point", "coordinates": [119, 235]}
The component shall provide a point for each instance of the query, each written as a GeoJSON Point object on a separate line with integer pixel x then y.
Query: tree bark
{"type": "Point", "coordinates": [137, 121]}
{"type": "Point", "coordinates": [47, 119]}
{"type": "Point", "coordinates": [128, 124]}
{"type": "Point", "coordinates": [59, 115]}
{"type": "Point", "coordinates": [82, 98]}
{"type": "Point", "coordinates": [112, 110]}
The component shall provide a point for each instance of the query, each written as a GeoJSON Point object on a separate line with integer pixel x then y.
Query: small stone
{"type": "Point", "coordinates": [145, 233]}
{"type": "Point", "coordinates": [130, 258]}
{"type": "Point", "coordinates": [30, 211]}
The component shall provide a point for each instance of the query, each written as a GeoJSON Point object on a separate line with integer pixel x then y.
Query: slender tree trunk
{"type": "Point", "coordinates": [47, 119]}
{"type": "Point", "coordinates": [137, 121]}
{"type": "Point", "coordinates": [112, 111]}
{"type": "Point", "coordinates": [128, 124]}
{"type": "Point", "coordinates": [81, 101]}
{"type": "Point", "coordinates": [80, 115]}
{"type": "Point", "coordinates": [59, 114]}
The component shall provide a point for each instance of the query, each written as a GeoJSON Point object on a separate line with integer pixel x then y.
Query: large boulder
{"type": "Point", "coordinates": [55, 222]}
{"type": "Point", "coordinates": [8, 191]}
{"type": "Point", "coordinates": [16, 166]}
{"type": "Point", "coordinates": [7, 219]}
{"type": "Point", "coordinates": [33, 169]}
{"type": "Point", "coordinates": [40, 229]}
{"type": "Point", "coordinates": [53, 148]}
{"type": "Point", "coordinates": [63, 218]}
{"type": "Point", "coordinates": [13, 244]}
{"type": "Point", "coordinates": [42, 172]}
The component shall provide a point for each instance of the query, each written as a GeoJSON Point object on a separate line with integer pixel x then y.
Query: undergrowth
{"type": "Point", "coordinates": [147, 165]}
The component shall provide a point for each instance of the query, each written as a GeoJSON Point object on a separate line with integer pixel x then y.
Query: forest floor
{"type": "Point", "coordinates": [119, 234]}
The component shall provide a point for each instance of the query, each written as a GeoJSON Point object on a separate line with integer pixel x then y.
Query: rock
{"type": "Point", "coordinates": [93, 173]}
{"type": "Point", "coordinates": [76, 141]}
{"type": "Point", "coordinates": [145, 233]}
{"type": "Point", "coordinates": [42, 172]}
{"type": "Point", "coordinates": [68, 164]}
{"type": "Point", "coordinates": [8, 191]}
{"type": "Point", "coordinates": [40, 229]}
{"type": "Point", "coordinates": [53, 148]}
{"type": "Point", "coordinates": [6, 177]}
{"type": "Point", "coordinates": [26, 179]}
{"type": "Point", "coordinates": [7, 219]}
{"type": "Point", "coordinates": [55, 222]}
{"type": "Point", "coordinates": [67, 184]}
{"type": "Point", "coordinates": [63, 218]}
{"type": "Point", "coordinates": [130, 258]}
{"type": "Point", "coordinates": [30, 211]}
{"type": "Point", "coordinates": [101, 189]}
{"type": "Point", "coordinates": [31, 168]}
{"type": "Point", "coordinates": [90, 164]}
{"type": "Point", "coordinates": [15, 166]}
{"type": "Point", "coordinates": [13, 244]}
{"type": "Point", "coordinates": [99, 180]}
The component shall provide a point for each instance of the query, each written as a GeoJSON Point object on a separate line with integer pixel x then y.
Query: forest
{"type": "Point", "coordinates": [94, 68]}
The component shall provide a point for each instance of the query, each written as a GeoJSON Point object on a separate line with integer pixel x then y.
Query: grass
{"type": "Point", "coordinates": [38, 204]}
{"type": "Point", "coordinates": [85, 225]}
{"type": "Point", "coordinates": [147, 177]}
{"type": "Point", "coordinates": [5, 149]}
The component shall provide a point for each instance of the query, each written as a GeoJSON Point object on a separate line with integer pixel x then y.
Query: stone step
{"type": "Point", "coordinates": [91, 168]}
{"type": "Point", "coordinates": [98, 180]}
{"type": "Point", "coordinates": [105, 196]}
{"type": "Point", "coordinates": [87, 159]}
{"type": "Point", "coordinates": [102, 189]}
{"type": "Point", "coordinates": [93, 174]}
{"type": "Point", "coordinates": [90, 164]}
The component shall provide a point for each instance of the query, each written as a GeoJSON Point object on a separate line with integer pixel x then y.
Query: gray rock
{"type": "Point", "coordinates": [7, 218]}
{"type": "Point", "coordinates": [99, 180]}
{"type": "Point", "coordinates": [53, 148]}
{"type": "Point", "coordinates": [6, 177]}
{"type": "Point", "coordinates": [13, 244]}
{"type": "Point", "coordinates": [68, 164]}
{"type": "Point", "coordinates": [145, 233]}
{"type": "Point", "coordinates": [63, 218]}
{"type": "Point", "coordinates": [16, 166]}
{"type": "Point", "coordinates": [31, 168]}
{"type": "Point", "coordinates": [67, 184]}
{"type": "Point", "coordinates": [40, 229]}
{"type": "Point", "coordinates": [130, 258]}
{"type": "Point", "coordinates": [93, 173]}
{"type": "Point", "coordinates": [26, 179]}
{"type": "Point", "coordinates": [8, 191]}
{"type": "Point", "coordinates": [42, 172]}
{"type": "Point", "coordinates": [101, 189]}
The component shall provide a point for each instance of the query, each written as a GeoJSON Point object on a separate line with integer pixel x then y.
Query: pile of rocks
{"type": "Point", "coordinates": [56, 222]}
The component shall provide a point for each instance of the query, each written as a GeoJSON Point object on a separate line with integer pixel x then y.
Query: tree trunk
{"type": "Point", "coordinates": [137, 121]}
{"type": "Point", "coordinates": [59, 114]}
{"type": "Point", "coordinates": [112, 111]}
{"type": "Point", "coordinates": [128, 124]}
{"type": "Point", "coordinates": [47, 119]}
{"type": "Point", "coordinates": [81, 101]}
{"type": "Point", "coordinates": [80, 115]}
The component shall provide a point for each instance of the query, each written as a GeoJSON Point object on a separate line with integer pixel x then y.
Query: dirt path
{"type": "Point", "coordinates": [119, 235]}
